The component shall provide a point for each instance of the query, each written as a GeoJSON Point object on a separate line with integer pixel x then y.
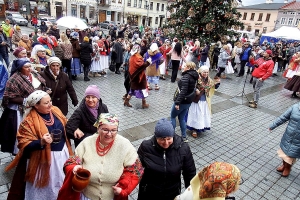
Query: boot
{"type": "Point", "coordinates": [124, 97]}
{"type": "Point", "coordinates": [96, 74]}
{"type": "Point", "coordinates": [86, 72]}
{"type": "Point", "coordinates": [126, 102]}
{"type": "Point", "coordinates": [144, 104]}
{"type": "Point", "coordinates": [287, 170]}
{"type": "Point", "coordinates": [281, 168]}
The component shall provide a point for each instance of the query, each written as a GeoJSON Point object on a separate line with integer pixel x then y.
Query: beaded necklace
{"type": "Point", "coordinates": [102, 151]}
{"type": "Point", "coordinates": [49, 122]}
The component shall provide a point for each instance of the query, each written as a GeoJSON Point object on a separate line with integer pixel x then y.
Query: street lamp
{"type": "Point", "coordinates": [147, 7]}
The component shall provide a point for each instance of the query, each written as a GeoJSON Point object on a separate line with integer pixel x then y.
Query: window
{"type": "Point", "coordinates": [162, 7]}
{"type": "Point", "coordinates": [249, 28]}
{"type": "Point", "coordinates": [156, 20]}
{"type": "Point", "coordinates": [264, 30]}
{"type": "Point", "coordinates": [282, 21]}
{"type": "Point", "coordinates": [297, 22]}
{"type": "Point", "coordinates": [140, 3]}
{"type": "Point", "coordinates": [146, 4]}
{"type": "Point", "coordinates": [129, 3]}
{"type": "Point", "coordinates": [74, 10]}
{"type": "Point", "coordinates": [92, 12]}
{"type": "Point", "coordinates": [268, 17]}
{"type": "Point", "coordinates": [114, 1]}
{"type": "Point", "coordinates": [260, 17]}
{"type": "Point", "coordinates": [252, 16]}
{"type": "Point", "coordinates": [134, 3]}
{"type": "Point", "coordinates": [119, 1]}
{"type": "Point", "coordinates": [151, 5]}
{"type": "Point", "coordinates": [292, 13]}
{"type": "Point", "coordinates": [157, 7]}
{"type": "Point", "coordinates": [245, 16]}
{"type": "Point", "coordinates": [290, 22]}
{"type": "Point", "coordinates": [284, 13]}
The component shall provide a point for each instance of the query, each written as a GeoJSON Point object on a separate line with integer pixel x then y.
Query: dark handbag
{"type": "Point", "coordinates": [197, 98]}
{"type": "Point", "coordinates": [112, 66]}
{"type": "Point", "coordinates": [188, 98]}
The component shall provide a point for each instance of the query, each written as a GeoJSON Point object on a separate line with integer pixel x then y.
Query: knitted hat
{"type": "Point", "coordinates": [269, 52]}
{"type": "Point", "coordinates": [92, 90]}
{"type": "Point", "coordinates": [18, 50]}
{"type": "Point", "coordinates": [164, 128]}
{"type": "Point", "coordinates": [86, 39]}
{"type": "Point", "coordinates": [54, 60]}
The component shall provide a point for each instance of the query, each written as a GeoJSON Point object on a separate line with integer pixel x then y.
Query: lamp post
{"type": "Point", "coordinates": [147, 7]}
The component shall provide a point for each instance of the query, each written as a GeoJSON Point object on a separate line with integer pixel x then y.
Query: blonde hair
{"type": "Point", "coordinates": [225, 47]}
{"type": "Point", "coordinates": [64, 38]}
{"type": "Point", "coordinates": [190, 65]}
{"type": "Point", "coordinates": [197, 44]}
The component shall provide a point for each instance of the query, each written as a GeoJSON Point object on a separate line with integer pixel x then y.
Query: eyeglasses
{"type": "Point", "coordinates": [106, 131]}
{"type": "Point", "coordinates": [42, 51]}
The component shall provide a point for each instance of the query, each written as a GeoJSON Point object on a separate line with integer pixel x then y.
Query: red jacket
{"type": "Point", "coordinates": [264, 69]}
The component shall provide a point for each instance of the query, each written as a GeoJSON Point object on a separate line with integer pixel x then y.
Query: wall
{"type": "Point", "coordinates": [287, 14]}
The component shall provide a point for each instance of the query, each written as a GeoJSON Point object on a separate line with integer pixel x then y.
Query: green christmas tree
{"type": "Point", "coordinates": [207, 20]}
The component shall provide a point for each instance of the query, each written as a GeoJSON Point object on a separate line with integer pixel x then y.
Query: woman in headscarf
{"type": "Point", "coordinates": [75, 65]}
{"type": "Point", "coordinates": [214, 182]}
{"type": "Point", "coordinates": [80, 124]}
{"type": "Point", "coordinates": [38, 57]}
{"type": "Point", "coordinates": [86, 50]}
{"type": "Point", "coordinates": [138, 81]}
{"type": "Point", "coordinates": [26, 43]}
{"type": "Point", "coordinates": [19, 52]}
{"type": "Point", "coordinates": [199, 114]}
{"type": "Point", "coordinates": [16, 37]}
{"type": "Point", "coordinates": [111, 159]}
{"type": "Point", "coordinates": [96, 64]}
{"type": "Point", "coordinates": [22, 82]}
{"type": "Point", "coordinates": [60, 85]}
{"type": "Point", "coordinates": [164, 49]}
{"type": "Point", "coordinates": [67, 54]}
{"type": "Point", "coordinates": [39, 173]}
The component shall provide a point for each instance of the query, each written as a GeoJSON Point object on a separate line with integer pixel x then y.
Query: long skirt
{"type": "Point", "coordinates": [103, 62]}
{"type": "Point", "coordinates": [286, 158]}
{"type": "Point", "coordinates": [293, 84]}
{"type": "Point", "coordinates": [76, 66]}
{"type": "Point", "coordinates": [198, 117]}
{"type": "Point", "coordinates": [153, 79]}
{"type": "Point", "coordinates": [96, 66]}
{"type": "Point", "coordinates": [162, 68]}
{"type": "Point", "coordinates": [50, 192]}
{"type": "Point", "coordinates": [140, 94]}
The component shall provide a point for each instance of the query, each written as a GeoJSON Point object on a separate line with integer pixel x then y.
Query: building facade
{"type": "Point", "coordinates": [260, 18]}
{"type": "Point", "coordinates": [288, 15]}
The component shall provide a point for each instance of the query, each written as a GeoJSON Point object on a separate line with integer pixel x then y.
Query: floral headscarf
{"type": "Point", "coordinates": [107, 118]}
{"type": "Point", "coordinates": [218, 180]}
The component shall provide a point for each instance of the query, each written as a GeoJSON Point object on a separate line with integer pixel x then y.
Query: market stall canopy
{"type": "Point", "coordinates": [285, 33]}
{"type": "Point", "coordinates": [72, 23]}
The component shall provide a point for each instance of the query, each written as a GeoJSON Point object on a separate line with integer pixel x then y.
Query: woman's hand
{"type": "Point", "coordinates": [117, 190]}
{"type": "Point", "coordinates": [177, 107]}
{"type": "Point", "coordinates": [46, 139]}
{"type": "Point", "coordinates": [78, 133]}
{"type": "Point", "coordinates": [197, 92]}
{"type": "Point", "coordinates": [76, 168]}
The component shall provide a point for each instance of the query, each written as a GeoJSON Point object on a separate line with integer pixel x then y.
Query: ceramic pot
{"type": "Point", "coordinates": [80, 180]}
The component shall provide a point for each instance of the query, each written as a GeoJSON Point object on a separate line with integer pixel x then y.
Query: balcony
{"type": "Point", "coordinates": [104, 3]}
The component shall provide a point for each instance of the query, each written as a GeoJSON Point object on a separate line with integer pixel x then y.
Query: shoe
{"type": "Point", "coordinates": [287, 170]}
{"type": "Point", "coordinates": [238, 75]}
{"type": "Point", "coordinates": [149, 88]}
{"type": "Point", "coordinates": [86, 79]}
{"type": "Point", "coordinates": [11, 50]}
{"type": "Point", "coordinates": [156, 87]}
{"type": "Point", "coordinates": [281, 167]}
{"type": "Point", "coordinates": [97, 75]}
{"type": "Point", "coordinates": [126, 102]}
{"type": "Point", "coordinates": [274, 75]}
{"type": "Point", "coordinates": [124, 97]}
{"type": "Point", "coordinates": [91, 74]}
{"type": "Point", "coordinates": [117, 72]}
{"type": "Point", "coordinates": [162, 78]}
{"type": "Point", "coordinates": [185, 139]}
{"type": "Point", "coordinates": [294, 96]}
{"type": "Point", "coordinates": [194, 134]}
{"type": "Point", "coordinates": [74, 77]}
{"type": "Point", "coordinates": [251, 102]}
{"type": "Point", "coordinates": [144, 104]}
{"type": "Point", "coordinates": [253, 105]}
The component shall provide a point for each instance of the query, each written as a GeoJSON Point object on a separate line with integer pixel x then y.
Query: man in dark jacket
{"type": "Point", "coordinates": [86, 50]}
{"type": "Point", "coordinates": [165, 156]}
{"type": "Point", "coordinates": [43, 27]}
{"type": "Point", "coordinates": [245, 55]}
{"type": "Point", "coordinates": [118, 49]}
{"type": "Point", "coordinates": [54, 31]}
{"type": "Point", "coordinates": [204, 54]}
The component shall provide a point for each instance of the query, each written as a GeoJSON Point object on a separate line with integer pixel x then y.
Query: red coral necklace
{"type": "Point", "coordinates": [102, 151]}
{"type": "Point", "coordinates": [49, 122]}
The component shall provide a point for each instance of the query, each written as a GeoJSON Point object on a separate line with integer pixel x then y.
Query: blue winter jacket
{"type": "Point", "coordinates": [290, 141]}
{"type": "Point", "coordinates": [246, 54]}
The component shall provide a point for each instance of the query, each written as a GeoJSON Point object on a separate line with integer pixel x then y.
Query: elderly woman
{"type": "Point", "coordinates": [161, 179]}
{"type": "Point", "coordinates": [19, 53]}
{"type": "Point", "coordinates": [223, 60]}
{"type": "Point", "coordinates": [40, 159]}
{"type": "Point", "coordinates": [183, 97]}
{"type": "Point", "coordinates": [38, 57]}
{"type": "Point", "coordinates": [199, 114]}
{"type": "Point", "coordinates": [80, 125]}
{"type": "Point", "coordinates": [60, 85]}
{"type": "Point", "coordinates": [22, 82]}
{"type": "Point", "coordinates": [26, 43]}
{"type": "Point", "coordinates": [111, 159]}
{"type": "Point", "coordinates": [138, 81]}
{"type": "Point", "coordinates": [164, 49]}
{"type": "Point", "coordinates": [290, 142]}
{"type": "Point", "coordinates": [214, 182]}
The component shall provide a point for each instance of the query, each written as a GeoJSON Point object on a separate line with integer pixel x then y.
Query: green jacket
{"type": "Point", "coordinates": [6, 28]}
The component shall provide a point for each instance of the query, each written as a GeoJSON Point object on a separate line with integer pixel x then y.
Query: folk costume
{"type": "Point", "coordinates": [96, 64]}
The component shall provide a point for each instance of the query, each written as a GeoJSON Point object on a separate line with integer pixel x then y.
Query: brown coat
{"type": "Point", "coordinates": [137, 75]}
{"type": "Point", "coordinates": [64, 86]}
{"type": "Point", "coordinates": [27, 46]}
{"type": "Point", "coordinates": [76, 48]}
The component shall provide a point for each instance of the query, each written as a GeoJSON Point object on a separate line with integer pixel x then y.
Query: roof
{"type": "Point", "coordinates": [294, 5]}
{"type": "Point", "coordinates": [264, 6]}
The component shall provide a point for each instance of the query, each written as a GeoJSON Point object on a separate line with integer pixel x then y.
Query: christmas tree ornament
{"type": "Point", "coordinates": [191, 12]}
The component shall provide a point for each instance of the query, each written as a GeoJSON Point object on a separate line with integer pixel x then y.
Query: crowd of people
{"type": "Point", "coordinates": [34, 127]}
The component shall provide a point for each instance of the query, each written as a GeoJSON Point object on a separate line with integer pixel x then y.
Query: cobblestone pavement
{"type": "Point", "coordinates": [239, 134]}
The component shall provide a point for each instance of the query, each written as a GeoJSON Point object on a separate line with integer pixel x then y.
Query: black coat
{"type": "Point", "coordinates": [186, 85]}
{"type": "Point", "coordinates": [54, 32]}
{"type": "Point", "coordinates": [118, 48]}
{"type": "Point", "coordinates": [43, 27]}
{"type": "Point", "coordinates": [83, 119]}
{"type": "Point", "coordinates": [64, 86]}
{"type": "Point", "coordinates": [163, 168]}
{"type": "Point", "coordinates": [3, 48]}
{"type": "Point", "coordinates": [85, 53]}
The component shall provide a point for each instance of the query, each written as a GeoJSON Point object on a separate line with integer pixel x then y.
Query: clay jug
{"type": "Point", "coordinates": [80, 180]}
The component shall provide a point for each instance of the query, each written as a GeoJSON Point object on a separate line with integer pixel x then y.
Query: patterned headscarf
{"type": "Point", "coordinates": [107, 118]}
{"type": "Point", "coordinates": [135, 49]}
{"type": "Point", "coordinates": [218, 180]}
{"type": "Point", "coordinates": [32, 99]}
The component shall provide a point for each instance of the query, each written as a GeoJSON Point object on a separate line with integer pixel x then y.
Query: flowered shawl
{"type": "Point", "coordinates": [18, 86]}
{"type": "Point", "coordinates": [33, 128]}
{"type": "Point", "coordinates": [208, 87]}
{"type": "Point", "coordinates": [155, 59]}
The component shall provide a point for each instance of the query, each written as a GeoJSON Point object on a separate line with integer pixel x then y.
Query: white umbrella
{"type": "Point", "coordinates": [71, 22]}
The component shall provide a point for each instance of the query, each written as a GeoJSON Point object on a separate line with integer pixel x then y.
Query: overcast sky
{"type": "Point", "coordinates": [252, 2]}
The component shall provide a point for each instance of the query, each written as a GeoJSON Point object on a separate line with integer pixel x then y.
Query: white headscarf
{"type": "Point", "coordinates": [37, 48]}
{"type": "Point", "coordinates": [32, 100]}
{"type": "Point", "coordinates": [204, 68]}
